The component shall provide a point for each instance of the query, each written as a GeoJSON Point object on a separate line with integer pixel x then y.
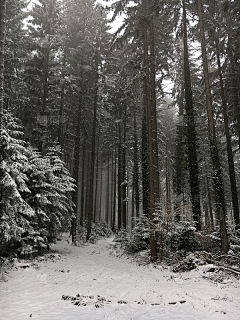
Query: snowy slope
{"type": "Point", "coordinates": [111, 288]}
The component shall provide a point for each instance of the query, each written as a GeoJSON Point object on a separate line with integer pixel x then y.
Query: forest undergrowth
{"type": "Point", "coordinates": [185, 249]}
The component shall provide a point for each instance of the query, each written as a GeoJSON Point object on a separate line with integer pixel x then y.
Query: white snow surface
{"type": "Point", "coordinates": [113, 288]}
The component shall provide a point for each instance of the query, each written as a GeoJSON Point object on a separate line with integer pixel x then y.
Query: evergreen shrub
{"type": "Point", "coordinates": [137, 239]}
{"type": "Point", "coordinates": [183, 236]}
{"type": "Point", "coordinates": [234, 239]}
{"type": "Point", "coordinates": [99, 229]}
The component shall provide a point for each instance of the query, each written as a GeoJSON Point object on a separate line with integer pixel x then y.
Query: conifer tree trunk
{"type": "Point", "coordinates": [92, 170]}
{"type": "Point", "coordinates": [112, 188]}
{"type": "Point", "coordinates": [135, 170]}
{"type": "Point", "coordinates": [145, 162]}
{"type": "Point", "coordinates": [101, 188]}
{"type": "Point", "coordinates": [146, 106]}
{"type": "Point", "coordinates": [153, 120]}
{"type": "Point", "coordinates": [149, 97]}
{"type": "Point", "coordinates": [87, 189]}
{"type": "Point", "coordinates": [95, 215]}
{"type": "Point", "coordinates": [62, 96]}
{"type": "Point", "coordinates": [179, 161]}
{"type": "Point", "coordinates": [114, 192]}
{"type": "Point", "coordinates": [234, 85]}
{"type": "Point", "coordinates": [168, 194]}
{"type": "Point", "coordinates": [83, 182]}
{"type": "Point", "coordinates": [191, 133]}
{"type": "Point", "coordinates": [108, 219]}
{"type": "Point", "coordinates": [217, 170]}
{"type": "Point", "coordinates": [124, 183]}
{"type": "Point", "coordinates": [120, 195]}
{"type": "Point", "coordinates": [2, 37]}
{"type": "Point", "coordinates": [209, 202]}
{"type": "Point", "coordinates": [76, 161]}
{"type": "Point", "coordinates": [229, 145]}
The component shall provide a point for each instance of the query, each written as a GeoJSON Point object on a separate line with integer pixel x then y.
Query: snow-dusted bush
{"type": "Point", "coordinates": [186, 264]}
{"type": "Point", "coordinates": [183, 237]}
{"type": "Point", "coordinates": [93, 237]}
{"type": "Point", "coordinates": [136, 239]}
{"type": "Point", "coordinates": [210, 242]}
{"type": "Point", "coordinates": [81, 235]}
{"type": "Point", "coordinates": [234, 239]}
{"type": "Point", "coordinates": [162, 225]}
{"type": "Point", "coordinates": [99, 229]}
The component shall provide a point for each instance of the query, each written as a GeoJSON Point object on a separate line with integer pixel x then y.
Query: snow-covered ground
{"type": "Point", "coordinates": [111, 288]}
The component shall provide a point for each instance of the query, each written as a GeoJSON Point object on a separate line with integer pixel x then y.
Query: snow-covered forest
{"type": "Point", "coordinates": [132, 133]}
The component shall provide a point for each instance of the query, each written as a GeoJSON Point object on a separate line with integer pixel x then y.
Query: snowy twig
{"type": "Point", "coordinates": [229, 269]}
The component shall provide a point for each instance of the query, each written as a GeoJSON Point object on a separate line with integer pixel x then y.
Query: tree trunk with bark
{"type": "Point", "coordinates": [149, 97]}
{"type": "Point", "coordinates": [191, 132]}
{"type": "Point", "coordinates": [96, 211]}
{"type": "Point", "coordinates": [76, 162]}
{"type": "Point", "coordinates": [231, 165]}
{"type": "Point", "coordinates": [217, 170]}
{"type": "Point", "coordinates": [83, 182]}
{"type": "Point", "coordinates": [108, 217]}
{"type": "Point", "coordinates": [179, 160]}
{"type": "Point", "coordinates": [120, 175]}
{"type": "Point", "coordinates": [2, 37]}
{"type": "Point", "coordinates": [114, 192]}
{"type": "Point", "coordinates": [145, 162]}
{"type": "Point", "coordinates": [136, 192]}
{"type": "Point", "coordinates": [62, 97]}
{"type": "Point", "coordinates": [93, 153]}
{"type": "Point", "coordinates": [124, 178]}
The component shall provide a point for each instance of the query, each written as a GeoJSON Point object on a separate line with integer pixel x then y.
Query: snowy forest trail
{"type": "Point", "coordinates": [110, 288]}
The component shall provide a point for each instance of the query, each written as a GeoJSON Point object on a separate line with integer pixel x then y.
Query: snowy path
{"type": "Point", "coordinates": [131, 291]}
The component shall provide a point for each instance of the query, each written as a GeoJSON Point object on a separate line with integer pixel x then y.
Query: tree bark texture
{"type": "Point", "coordinates": [120, 175]}
{"type": "Point", "coordinates": [62, 97]}
{"type": "Point", "coordinates": [83, 182]}
{"type": "Point", "coordinates": [217, 170]}
{"type": "Point", "coordinates": [114, 191]}
{"type": "Point", "coordinates": [234, 83]}
{"type": "Point", "coordinates": [145, 162]}
{"type": "Point", "coordinates": [92, 170]}
{"type": "Point", "coordinates": [191, 133]}
{"type": "Point", "coordinates": [150, 100]}
{"type": "Point", "coordinates": [76, 162]}
{"type": "Point", "coordinates": [231, 165]}
{"type": "Point", "coordinates": [179, 159]}
{"type": "Point", "coordinates": [2, 37]}
{"type": "Point", "coordinates": [124, 178]}
{"type": "Point", "coordinates": [136, 170]}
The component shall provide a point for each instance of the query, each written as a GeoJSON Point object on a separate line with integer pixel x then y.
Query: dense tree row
{"type": "Point", "coordinates": [147, 119]}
